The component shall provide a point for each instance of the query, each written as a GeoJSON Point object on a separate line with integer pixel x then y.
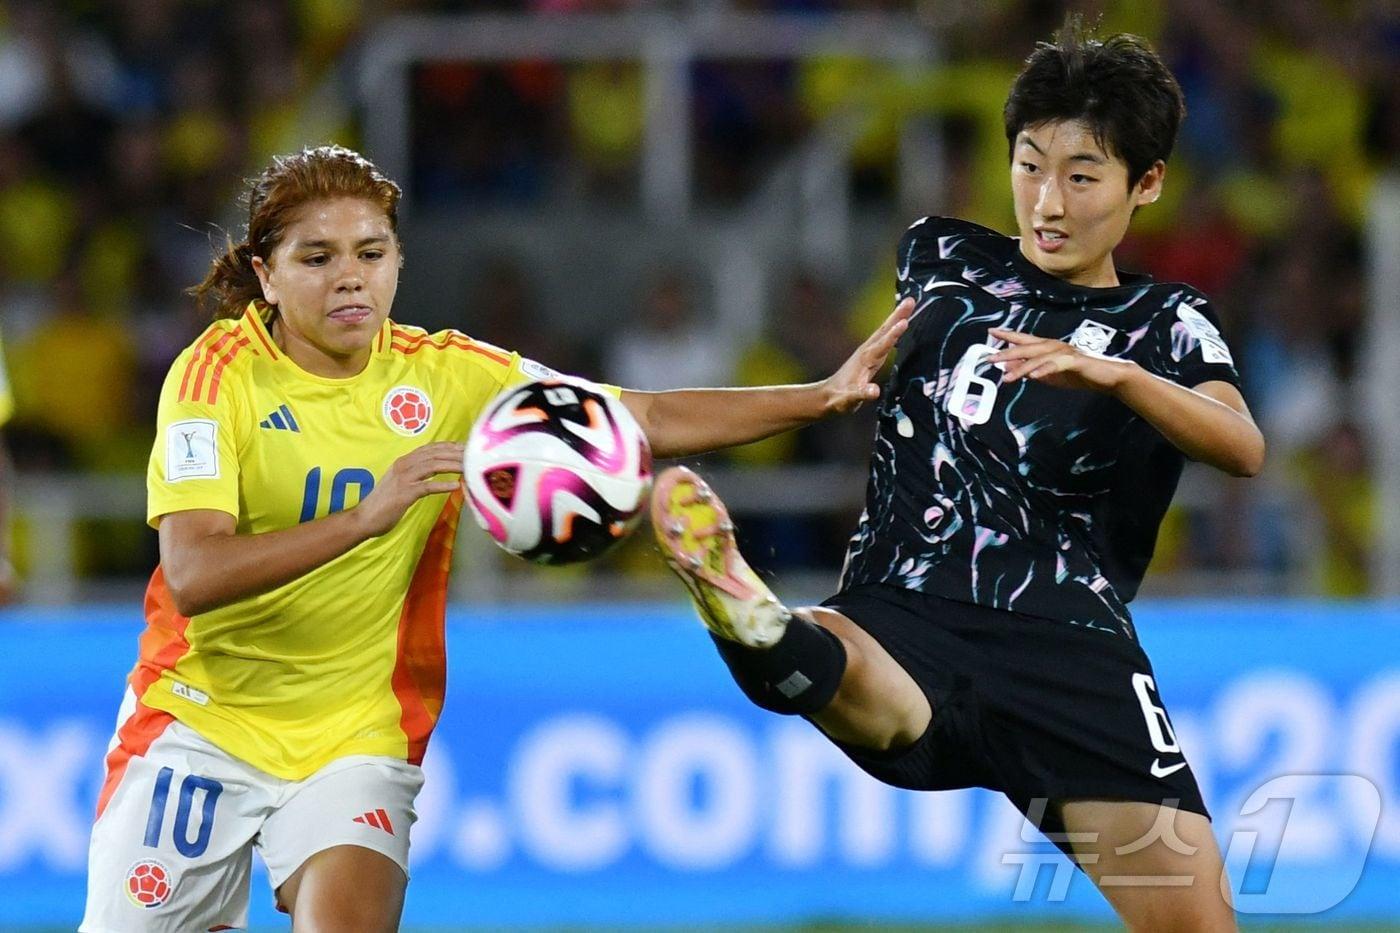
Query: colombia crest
{"type": "Point", "coordinates": [407, 410]}
{"type": "Point", "coordinates": [148, 884]}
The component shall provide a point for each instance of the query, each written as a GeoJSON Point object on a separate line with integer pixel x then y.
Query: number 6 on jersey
{"type": "Point", "coordinates": [968, 406]}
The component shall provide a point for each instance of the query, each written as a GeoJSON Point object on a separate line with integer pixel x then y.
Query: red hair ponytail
{"type": "Point", "coordinates": [285, 185]}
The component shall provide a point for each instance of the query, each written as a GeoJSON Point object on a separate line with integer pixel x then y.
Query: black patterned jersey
{"type": "Point", "coordinates": [1021, 496]}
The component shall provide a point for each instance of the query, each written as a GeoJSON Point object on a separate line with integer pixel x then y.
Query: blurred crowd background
{"type": "Point", "coordinates": [127, 126]}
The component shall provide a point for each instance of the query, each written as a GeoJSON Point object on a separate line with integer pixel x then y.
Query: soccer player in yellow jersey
{"type": "Point", "coordinates": [292, 667]}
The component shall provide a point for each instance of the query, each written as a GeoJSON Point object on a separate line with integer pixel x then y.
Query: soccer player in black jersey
{"type": "Point", "coordinates": [1029, 441]}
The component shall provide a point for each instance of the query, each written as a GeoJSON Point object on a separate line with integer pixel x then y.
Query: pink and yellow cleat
{"type": "Point", "coordinates": [696, 538]}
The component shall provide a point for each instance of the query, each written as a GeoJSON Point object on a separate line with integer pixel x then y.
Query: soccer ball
{"type": "Point", "coordinates": [557, 471]}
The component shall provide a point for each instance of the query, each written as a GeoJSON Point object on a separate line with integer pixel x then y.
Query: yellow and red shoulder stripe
{"type": "Point", "coordinates": [409, 341]}
{"type": "Point", "coordinates": [212, 354]}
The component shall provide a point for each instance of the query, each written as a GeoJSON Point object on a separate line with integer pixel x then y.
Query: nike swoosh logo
{"type": "Point", "coordinates": [1161, 772]}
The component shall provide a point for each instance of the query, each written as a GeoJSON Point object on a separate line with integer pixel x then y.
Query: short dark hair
{"type": "Point", "coordinates": [1118, 86]}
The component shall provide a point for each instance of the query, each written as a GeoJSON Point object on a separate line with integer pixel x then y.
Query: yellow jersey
{"type": "Point", "coordinates": [347, 659]}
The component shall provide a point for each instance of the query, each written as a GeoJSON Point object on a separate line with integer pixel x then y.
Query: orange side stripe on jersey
{"type": "Point", "coordinates": [199, 347]}
{"type": "Point", "coordinates": [222, 364]}
{"type": "Point", "coordinates": [163, 642]}
{"type": "Point", "coordinates": [162, 645]}
{"type": "Point", "coordinates": [210, 354]}
{"type": "Point", "coordinates": [420, 669]}
{"type": "Point", "coordinates": [134, 739]}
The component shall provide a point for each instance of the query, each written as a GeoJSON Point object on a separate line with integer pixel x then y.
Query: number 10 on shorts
{"type": "Point", "coordinates": [160, 796]}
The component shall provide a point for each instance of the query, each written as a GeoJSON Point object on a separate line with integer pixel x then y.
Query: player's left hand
{"type": "Point", "coordinates": [1056, 363]}
{"type": "Point", "coordinates": [853, 384]}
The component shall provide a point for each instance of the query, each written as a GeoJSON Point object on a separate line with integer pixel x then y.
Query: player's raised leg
{"type": "Point", "coordinates": [814, 662]}
{"type": "Point", "coordinates": [1159, 867]}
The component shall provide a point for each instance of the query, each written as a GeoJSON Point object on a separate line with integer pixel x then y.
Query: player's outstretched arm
{"type": "Point", "coordinates": [1209, 423]}
{"type": "Point", "coordinates": [208, 565]}
{"type": "Point", "coordinates": [690, 421]}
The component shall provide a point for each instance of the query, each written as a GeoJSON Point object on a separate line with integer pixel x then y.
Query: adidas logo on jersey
{"type": "Point", "coordinates": [376, 818]}
{"type": "Point", "coordinates": [280, 420]}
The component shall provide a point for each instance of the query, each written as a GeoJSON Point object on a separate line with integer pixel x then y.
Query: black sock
{"type": "Point", "coordinates": [799, 674]}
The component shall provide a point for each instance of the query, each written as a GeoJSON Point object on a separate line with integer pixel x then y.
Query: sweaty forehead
{"type": "Point", "coordinates": [336, 219]}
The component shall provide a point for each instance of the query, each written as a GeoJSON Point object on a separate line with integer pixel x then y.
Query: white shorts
{"type": "Point", "coordinates": [172, 849]}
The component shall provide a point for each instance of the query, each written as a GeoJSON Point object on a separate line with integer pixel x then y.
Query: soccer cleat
{"type": "Point", "coordinates": [696, 539]}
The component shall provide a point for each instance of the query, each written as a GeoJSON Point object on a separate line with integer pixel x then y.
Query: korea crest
{"type": "Point", "coordinates": [1092, 337]}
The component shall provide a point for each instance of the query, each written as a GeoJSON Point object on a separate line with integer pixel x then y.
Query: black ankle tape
{"type": "Point", "coordinates": [798, 675]}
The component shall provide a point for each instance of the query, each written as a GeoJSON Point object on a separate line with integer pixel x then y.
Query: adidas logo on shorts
{"type": "Point", "coordinates": [376, 818]}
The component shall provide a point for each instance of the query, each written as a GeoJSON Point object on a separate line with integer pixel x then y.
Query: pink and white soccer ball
{"type": "Point", "coordinates": [557, 471]}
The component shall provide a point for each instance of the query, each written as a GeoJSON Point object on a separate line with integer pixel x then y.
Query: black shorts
{"type": "Point", "coordinates": [1040, 710]}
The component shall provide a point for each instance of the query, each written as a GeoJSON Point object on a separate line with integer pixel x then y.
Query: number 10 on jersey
{"type": "Point", "coordinates": [357, 478]}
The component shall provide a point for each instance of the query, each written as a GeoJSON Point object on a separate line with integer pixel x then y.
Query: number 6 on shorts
{"type": "Point", "coordinates": [1159, 728]}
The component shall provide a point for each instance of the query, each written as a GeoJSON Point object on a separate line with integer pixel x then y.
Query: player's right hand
{"type": "Point", "coordinates": [854, 383]}
{"type": "Point", "coordinates": [416, 474]}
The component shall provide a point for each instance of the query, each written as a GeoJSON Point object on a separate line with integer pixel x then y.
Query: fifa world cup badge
{"type": "Point", "coordinates": [192, 450]}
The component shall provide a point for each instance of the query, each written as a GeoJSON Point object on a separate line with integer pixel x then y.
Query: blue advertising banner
{"type": "Point", "coordinates": [595, 765]}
